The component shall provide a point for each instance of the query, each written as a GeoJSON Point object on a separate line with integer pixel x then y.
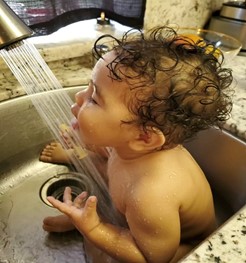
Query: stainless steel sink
{"type": "Point", "coordinates": [23, 179]}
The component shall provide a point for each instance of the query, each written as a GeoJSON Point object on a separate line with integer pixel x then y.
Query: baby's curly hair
{"type": "Point", "coordinates": [179, 85]}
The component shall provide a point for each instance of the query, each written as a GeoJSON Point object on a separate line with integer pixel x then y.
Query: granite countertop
{"type": "Point", "coordinates": [67, 52]}
{"type": "Point", "coordinates": [228, 243]}
{"type": "Point", "coordinates": [237, 123]}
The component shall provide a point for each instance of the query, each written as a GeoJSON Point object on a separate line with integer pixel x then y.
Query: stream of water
{"type": "Point", "coordinates": [35, 76]}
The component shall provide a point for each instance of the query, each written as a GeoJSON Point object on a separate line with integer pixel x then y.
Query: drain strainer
{"type": "Point", "coordinates": [55, 186]}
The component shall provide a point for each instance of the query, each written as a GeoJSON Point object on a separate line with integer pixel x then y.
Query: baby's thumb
{"type": "Point", "coordinates": [91, 204]}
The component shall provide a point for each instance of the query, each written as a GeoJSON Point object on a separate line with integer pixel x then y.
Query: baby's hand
{"type": "Point", "coordinates": [82, 212]}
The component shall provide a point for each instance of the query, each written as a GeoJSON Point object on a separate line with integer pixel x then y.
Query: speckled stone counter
{"type": "Point", "coordinates": [237, 123]}
{"type": "Point", "coordinates": [226, 245]}
{"type": "Point", "coordinates": [67, 53]}
{"type": "Point", "coordinates": [188, 13]}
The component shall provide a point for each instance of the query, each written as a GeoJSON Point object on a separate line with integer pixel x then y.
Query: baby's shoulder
{"type": "Point", "coordinates": [170, 173]}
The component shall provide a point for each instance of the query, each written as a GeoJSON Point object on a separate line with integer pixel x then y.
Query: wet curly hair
{"type": "Point", "coordinates": [179, 85]}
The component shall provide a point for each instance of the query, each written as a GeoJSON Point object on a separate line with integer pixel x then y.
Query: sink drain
{"type": "Point", "coordinates": [55, 186]}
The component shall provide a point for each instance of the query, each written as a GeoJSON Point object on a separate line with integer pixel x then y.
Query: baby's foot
{"type": "Point", "coordinates": [59, 224]}
{"type": "Point", "coordinates": [55, 153]}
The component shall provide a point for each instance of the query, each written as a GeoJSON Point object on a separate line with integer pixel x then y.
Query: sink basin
{"type": "Point", "coordinates": [24, 181]}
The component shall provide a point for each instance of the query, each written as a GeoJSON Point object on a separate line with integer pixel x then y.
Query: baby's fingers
{"type": "Point", "coordinates": [79, 201]}
{"type": "Point", "coordinates": [63, 207]}
{"type": "Point", "coordinates": [91, 205]}
{"type": "Point", "coordinates": [67, 196]}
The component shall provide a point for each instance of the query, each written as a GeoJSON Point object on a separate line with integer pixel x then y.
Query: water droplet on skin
{"type": "Point", "coordinates": [172, 175]}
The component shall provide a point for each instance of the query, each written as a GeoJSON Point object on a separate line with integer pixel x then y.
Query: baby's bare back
{"type": "Point", "coordinates": [165, 193]}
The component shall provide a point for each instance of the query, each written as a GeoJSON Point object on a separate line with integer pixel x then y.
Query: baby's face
{"type": "Point", "coordinates": [100, 108]}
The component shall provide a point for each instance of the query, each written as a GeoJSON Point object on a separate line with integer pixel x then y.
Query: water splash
{"type": "Point", "coordinates": [35, 76]}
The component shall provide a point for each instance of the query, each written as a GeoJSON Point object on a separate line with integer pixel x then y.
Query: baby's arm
{"type": "Point", "coordinates": [115, 241]}
{"type": "Point", "coordinates": [154, 235]}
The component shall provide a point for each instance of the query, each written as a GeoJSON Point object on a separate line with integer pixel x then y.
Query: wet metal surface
{"type": "Point", "coordinates": [22, 239]}
{"type": "Point", "coordinates": [22, 211]}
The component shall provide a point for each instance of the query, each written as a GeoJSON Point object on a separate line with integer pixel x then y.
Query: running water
{"type": "Point", "coordinates": [35, 76]}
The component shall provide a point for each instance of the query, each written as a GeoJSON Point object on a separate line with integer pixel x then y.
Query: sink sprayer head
{"type": "Point", "coordinates": [12, 28]}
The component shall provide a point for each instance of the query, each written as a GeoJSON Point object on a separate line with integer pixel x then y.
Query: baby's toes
{"type": "Point", "coordinates": [45, 157]}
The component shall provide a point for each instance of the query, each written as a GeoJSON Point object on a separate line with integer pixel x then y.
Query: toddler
{"type": "Point", "coordinates": [147, 96]}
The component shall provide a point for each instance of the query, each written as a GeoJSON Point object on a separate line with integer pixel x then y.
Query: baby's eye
{"type": "Point", "coordinates": [92, 100]}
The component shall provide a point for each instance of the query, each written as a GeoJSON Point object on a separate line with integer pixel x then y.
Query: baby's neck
{"type": "Point", "coordinates": [127, 155]}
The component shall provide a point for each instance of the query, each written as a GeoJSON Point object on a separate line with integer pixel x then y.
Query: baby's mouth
{"type": "Point", "coordinates": [74, 124]}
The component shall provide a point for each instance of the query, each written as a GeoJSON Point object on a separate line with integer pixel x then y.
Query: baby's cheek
{"type": "Point", "coordinates": [87, 128]}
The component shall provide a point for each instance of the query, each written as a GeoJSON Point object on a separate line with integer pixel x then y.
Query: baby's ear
{"type": "Point", "coordinates": [149, 139]}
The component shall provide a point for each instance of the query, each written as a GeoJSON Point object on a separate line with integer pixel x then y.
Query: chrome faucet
{"type": "Point", "coordinates": [12, 28]}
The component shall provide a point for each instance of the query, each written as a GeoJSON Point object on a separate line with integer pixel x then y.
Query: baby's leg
{"type": "Point", "coordinates": [60, 223]}
{"type": "Point", "coordinates": [55, 153]}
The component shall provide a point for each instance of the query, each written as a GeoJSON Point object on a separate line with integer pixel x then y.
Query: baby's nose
{"type": "Point", "coordinates": [79, 100]}
{"type": "Point", "coordinates": [79, 97]}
